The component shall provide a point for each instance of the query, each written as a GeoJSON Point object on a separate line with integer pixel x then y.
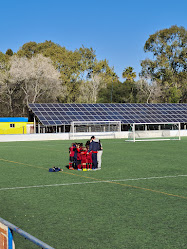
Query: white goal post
{"type": "Point", "coordinates": [85, 128]}
{"type": "Point", "coordinates": [154, 131]}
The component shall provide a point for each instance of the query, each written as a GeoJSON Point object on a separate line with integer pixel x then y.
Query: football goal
{"type": "Point", "coordinates": [83, 128]}
{"type": "Point", "coordinates": [154, 132]}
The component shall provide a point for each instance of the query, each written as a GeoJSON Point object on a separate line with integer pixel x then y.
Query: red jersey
{"type": "Point", "coordinates": [71, 151]}
{"type": "Point", "coordinates": [89, 157]}
{"type": "Point", "coordinates": [78, 154]}
{"type": "Point", "coordinates": [83, 156]}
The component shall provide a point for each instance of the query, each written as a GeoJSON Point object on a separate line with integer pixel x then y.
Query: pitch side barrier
{"type": "Point", "coordinates": [26, 235]}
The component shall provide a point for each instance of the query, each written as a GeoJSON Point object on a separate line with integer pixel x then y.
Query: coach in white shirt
{"type": "Point", "coordinates": [99, 154]}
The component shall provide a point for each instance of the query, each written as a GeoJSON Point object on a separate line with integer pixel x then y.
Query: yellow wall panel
{"type": "Point", "coordinates": [19, 128]}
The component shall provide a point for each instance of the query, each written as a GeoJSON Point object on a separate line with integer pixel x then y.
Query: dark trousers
{"type": "Point", "coordinates": [94, 160]}
{"type": "Point", "coordinates": [75, 163]}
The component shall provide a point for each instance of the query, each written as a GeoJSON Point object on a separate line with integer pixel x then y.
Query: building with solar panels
{"type": "Point", "coordinates": [109, 117]}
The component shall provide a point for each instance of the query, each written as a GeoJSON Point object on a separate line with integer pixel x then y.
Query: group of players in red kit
{"type": "Point", "coordinates": [80, 157]}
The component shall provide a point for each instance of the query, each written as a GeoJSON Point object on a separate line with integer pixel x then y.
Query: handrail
{"type": "Point", "coordinates": [26, 235]}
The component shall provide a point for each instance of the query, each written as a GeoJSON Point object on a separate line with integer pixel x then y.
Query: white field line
{"type": "Point", "coordinates": [93, 182]}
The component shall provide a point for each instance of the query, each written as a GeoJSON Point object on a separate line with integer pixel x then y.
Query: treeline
{"type": "Point", "coordinates": [48, 72]}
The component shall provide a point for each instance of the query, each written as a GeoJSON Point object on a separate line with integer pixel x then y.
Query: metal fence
{"type": "Point", "coordinates": [25, 234]}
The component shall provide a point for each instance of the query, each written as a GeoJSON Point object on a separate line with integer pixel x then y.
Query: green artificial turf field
{"type": "Point", "coordinates": [138, 199]}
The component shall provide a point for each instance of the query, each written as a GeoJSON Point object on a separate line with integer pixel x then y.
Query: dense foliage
{"type": "Point", "coordinates": [48, 72]}
{"type": "Point", "coordinates": [169, 67]}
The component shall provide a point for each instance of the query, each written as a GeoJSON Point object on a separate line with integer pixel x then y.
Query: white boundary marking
{"type": "Point", "coordinates": [93, 182]}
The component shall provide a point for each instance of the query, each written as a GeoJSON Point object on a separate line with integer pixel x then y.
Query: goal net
{"type": "Point", "coordinates": [154, 132]}
{"type": "Point", "coordinates": [83, 128]}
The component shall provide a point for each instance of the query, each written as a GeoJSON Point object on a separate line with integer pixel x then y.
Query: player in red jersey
{"type": "Point", "coordinates": [79, 149]}
{"type": "Point", "coordinates": [89, 159]}
{"type": "Point", "coordinates": [83, 158]}
{"type": "Point", "coordinates": [71, 156]}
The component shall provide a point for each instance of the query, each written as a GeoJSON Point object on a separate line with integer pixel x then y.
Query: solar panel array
{"type": "Point", "coordinates": [63, 114]}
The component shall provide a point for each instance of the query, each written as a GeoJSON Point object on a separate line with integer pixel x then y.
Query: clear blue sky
{"type": "Point", "coordinates": [116, 29]}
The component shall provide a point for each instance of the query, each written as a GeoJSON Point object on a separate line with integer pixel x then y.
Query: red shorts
{"type": "Point", "coordinates": [89, 160]}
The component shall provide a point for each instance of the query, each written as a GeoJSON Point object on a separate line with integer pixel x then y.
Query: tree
{"type": "Point", "coordinates": [72, 65]}
{"type": "Point", "coordinates": [8, 93]}
{"type": "Point", "coordinates": [37, 77]}
{"type": "Point", "coordinates": [8, 89]}
{"type": "Point", "coordinates": [81, 74]}
{"type": "Point", "coordinates": [3, 61]}
{"type": "Point", "coordinates": [129, 83]}
{"type": "Point", "coordinates": [148, 92]}
{"type": "Point", "coordinates": [122, 92]}
{"type": "Point", "coordinates": [100, 76]}
{"type": "Point", "coordinates": [30, 80]}
{"type": "Point", "coordinates": [28, 50]}
{"type": "Point", "coordinates": [86, 62]}
{"type": "Point", "coordinates": [65, 61]}
{"type": "Point", "coordinates": [9, 52]}
{"type": "Point", "coordinates": [169, 66]}
{"type": "Point", "coordinates": [128, 74]}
